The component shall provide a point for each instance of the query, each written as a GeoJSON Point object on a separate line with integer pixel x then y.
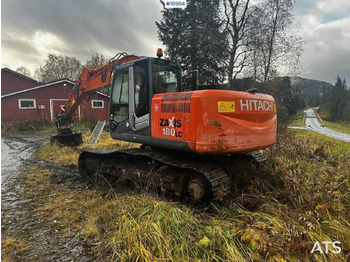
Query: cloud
{"type": "Point", "coordinates": [325, 29]}
{"type": "Point", "coordinates": [32, 29]}
{"type": "Point", "coordinates": [77, 28]}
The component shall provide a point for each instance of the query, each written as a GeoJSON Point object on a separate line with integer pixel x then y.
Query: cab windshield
{"type": "Point", "coordinates": [166, 77]}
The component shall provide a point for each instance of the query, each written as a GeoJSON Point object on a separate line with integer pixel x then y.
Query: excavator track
{"type": "Point", "coordinates": [203, 178]}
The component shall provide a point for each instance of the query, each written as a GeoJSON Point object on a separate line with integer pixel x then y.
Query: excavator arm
{"type": "Point", "coordinates": [90, 80]}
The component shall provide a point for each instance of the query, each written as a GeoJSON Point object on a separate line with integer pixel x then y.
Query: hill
{"type": "Point", "coordinates": [309, 87]}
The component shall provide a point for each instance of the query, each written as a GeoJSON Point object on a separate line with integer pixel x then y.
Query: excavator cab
{"type": "Point", "coordinates": [133, 86]}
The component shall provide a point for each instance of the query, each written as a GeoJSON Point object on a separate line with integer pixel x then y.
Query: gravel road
{"type": "Point", "coordinates": [19, 219]}
{"type": "Point", "coordinates": [14, 150]}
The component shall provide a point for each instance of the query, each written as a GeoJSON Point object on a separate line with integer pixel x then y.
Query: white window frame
{"type": "Point", "coordinates": [92, 103]}
{"type": "Point", "coordinates": [26, 99]}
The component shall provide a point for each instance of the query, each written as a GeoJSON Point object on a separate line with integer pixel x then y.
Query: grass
{"type": "Point", "coordinates": [28, 126]}
{"type": "Point", "coordinates": [13, 248]}
{"type": "Point", "coordinates": [44, 126]}
{"type": "Point", "coordinates": [335, 147]}
{"type": "Point", "coordinates": [323, 112]}
{"type": "Point", "coordinates": [69, 156]}
{"type": "Point", "coordinates": [341, 127]}
{"type": "Point", "coordinates": [302, 196]}
{"type": "Point", "coordinates": [298, 119]}
{"type": "Point", "coordinates": [338, 125]}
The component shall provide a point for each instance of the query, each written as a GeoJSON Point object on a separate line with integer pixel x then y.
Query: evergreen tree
{"type": "Point", "coordinates": [195, 38]}
{"type": "Point", "coordinates": [338, 100]}
{"type": "Point", "coordinates": [286, 95]}
{"type": "Point", "coordinates": [334, 98]}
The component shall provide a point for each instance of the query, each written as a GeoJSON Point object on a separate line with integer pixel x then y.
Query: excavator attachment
{"type": "Point", "coordinates": [72, 139]}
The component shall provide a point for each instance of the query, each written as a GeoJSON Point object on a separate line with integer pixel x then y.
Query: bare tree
{"type": "Point", "coordinates": [96, 60]}
{"type": "Point", "coordinates": [237, 14]}
{"type": "Point", "coordinates": [24, 71]}
{"type": "Point", "coordinates": [275, 46]}
{"type": "Point", "coordinates": [57, 67]}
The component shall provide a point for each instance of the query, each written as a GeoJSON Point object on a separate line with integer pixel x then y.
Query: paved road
{"type": "Point", "coordinates": [311, 123]}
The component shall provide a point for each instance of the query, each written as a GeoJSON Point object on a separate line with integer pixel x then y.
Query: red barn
{"type": "Point", "coordinates": [23, 98]}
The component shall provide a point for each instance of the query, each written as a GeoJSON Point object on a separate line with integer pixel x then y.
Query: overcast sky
{"type": "Point", "coordinates": [33, 28]}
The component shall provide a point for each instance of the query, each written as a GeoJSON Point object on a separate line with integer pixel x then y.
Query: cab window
{"type": "Point", "coordinates": [166, 78]}
{"type": "Point", "coordinates": [120, 96]}
{"type": "Point", "coordinates": [141, 88]}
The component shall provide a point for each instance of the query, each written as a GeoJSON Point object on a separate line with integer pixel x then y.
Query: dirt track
{"type": "Point", "coordinates": [19, 219]}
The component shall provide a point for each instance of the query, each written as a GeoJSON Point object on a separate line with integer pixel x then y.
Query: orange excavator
{"type": "Point", "coordinates": [190, 140]}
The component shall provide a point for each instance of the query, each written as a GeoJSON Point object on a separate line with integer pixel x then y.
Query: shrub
{"type": "Point", "coordinates": [28, 125]}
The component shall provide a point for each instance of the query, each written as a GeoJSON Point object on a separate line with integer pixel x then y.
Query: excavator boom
{"type": "Point", "coordinates": [90, 80]}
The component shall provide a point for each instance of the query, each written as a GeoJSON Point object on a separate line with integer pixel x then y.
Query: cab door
{"type": "Point", "coordinates": [129, 108]}
{"type": "Point", "coordinates": [119, 105]}
{"type": "Point", "coordinates": [139, 96]}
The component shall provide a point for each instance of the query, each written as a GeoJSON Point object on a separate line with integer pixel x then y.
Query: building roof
{"type": "Point", "coordinates": [38, 87]}
{"type": "Point", "coordinates": [46, 85]}
{"type": "Point", "coordinates": [5, 69]}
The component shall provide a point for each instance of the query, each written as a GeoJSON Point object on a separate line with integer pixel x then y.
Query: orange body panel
{"type": "Point", "coordinates": [215, 121]}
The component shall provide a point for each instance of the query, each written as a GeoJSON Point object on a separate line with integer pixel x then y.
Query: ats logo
{"type": "Point", "coordinates": [317, 247]}
{"type": "Point", "coordinates": [170, 125]}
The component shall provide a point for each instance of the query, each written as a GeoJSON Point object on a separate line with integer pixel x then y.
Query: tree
{"type": "Point", "coordinates": [286, 94]}
{"type": "Point", "coordinates": [195, 38]}
{"type": "Point", "coordinates": [237, 15]}
{"type": "Point", "coordinates": [24, 71]}
{"type": "Point", "coordinates": [339, 98]}
{"type": "Point", "coordinates": [273, 44]}
{"type": "Point", "coordinates": [346, 112]}
{"type": "Point", "coordinates": [259, 43]}
{"type": "Point", "coordinates": [96, 61]}
{"type": "Point", "coordinates": [57, 67]}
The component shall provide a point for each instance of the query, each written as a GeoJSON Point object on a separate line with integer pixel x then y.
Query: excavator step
{"type": "Point", "coordinates": [96, 133]}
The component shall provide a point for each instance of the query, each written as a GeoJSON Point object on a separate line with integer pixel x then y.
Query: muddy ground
{"type": "Point", "coordinates": [36, 239]}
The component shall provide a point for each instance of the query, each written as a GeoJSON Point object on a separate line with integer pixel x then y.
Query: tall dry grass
{"type": "Point", "coordinates": [302, 195]}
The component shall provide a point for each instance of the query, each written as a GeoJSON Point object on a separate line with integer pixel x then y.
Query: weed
{"type": "Point", "coordinates": [28, 126]}
{"type": "Point", "coordinates": [298, 119]}
{"type": "Point", "coordinates": [63, 155]}
{"type": "Point", "coordinates": [13, 248]}
{"type": "Point", "coordinates": [341, 126]}
{"type": "Point", "coordinates": [303, 197]}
